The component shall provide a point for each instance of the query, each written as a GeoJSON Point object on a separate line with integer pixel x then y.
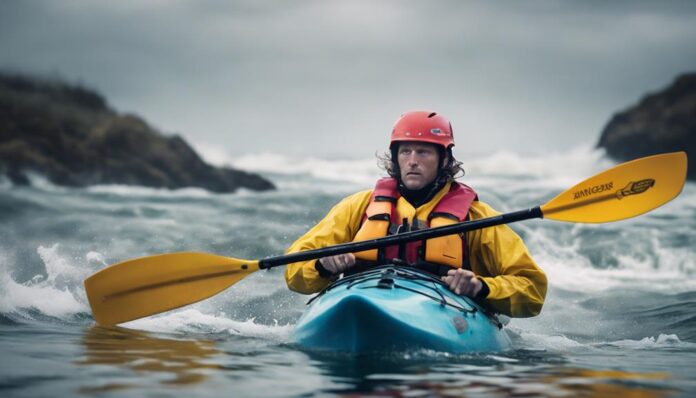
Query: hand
{"type": "Point", "coordinates": [462, 282]}
{"type": "Point", "coordinates": [339, 263]}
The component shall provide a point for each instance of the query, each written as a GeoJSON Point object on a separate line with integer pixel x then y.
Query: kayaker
{"type": "Point", "coordinates": [490, 264]}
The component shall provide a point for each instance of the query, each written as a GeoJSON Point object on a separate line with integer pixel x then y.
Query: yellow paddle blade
{"type": "Point", "coordinates": [149, 285]}
{"type": "Point", "coordinates": [624, 191]}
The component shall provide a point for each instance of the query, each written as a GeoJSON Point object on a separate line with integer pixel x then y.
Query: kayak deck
{"type": "Point", "coordinates": [393, 308]}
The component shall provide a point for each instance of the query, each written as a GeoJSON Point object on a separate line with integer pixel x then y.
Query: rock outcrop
{"type": "Point", "coordinates": [70, 135]}
{"type": "Point", "coordinates": [661, 122]}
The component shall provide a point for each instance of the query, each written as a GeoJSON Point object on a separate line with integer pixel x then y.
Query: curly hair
{"type": "Point", "coordinates": [452, 170]}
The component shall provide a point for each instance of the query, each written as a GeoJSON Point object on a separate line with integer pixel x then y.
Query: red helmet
{"type": "Point", "coordinates": [423, 126]}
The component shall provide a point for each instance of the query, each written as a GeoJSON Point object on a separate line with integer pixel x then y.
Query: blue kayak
{"type": "Point", "coordinates": [393, 308]}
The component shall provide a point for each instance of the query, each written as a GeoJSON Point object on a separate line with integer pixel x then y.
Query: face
{"type": "Point", "coordinates": [418, 163]}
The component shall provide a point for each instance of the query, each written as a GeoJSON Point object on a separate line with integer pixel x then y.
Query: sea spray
{"type": "Point", "coordinates": [56, 293]}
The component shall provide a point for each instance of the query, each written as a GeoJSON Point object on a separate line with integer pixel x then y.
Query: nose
{"type": "Point", "coordinates": [412, 160]}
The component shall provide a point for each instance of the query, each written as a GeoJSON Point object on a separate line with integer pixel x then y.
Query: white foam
{"type": "Point", "coordinates": [59, 272]}
{"type": "Point", "coordinates": [358, 171]}
{"type": "Point", "coordinates": [575, 273]}
{"type": "Point", "coordinates": [45, 298]}
{"type": "Point", "coordinates": [140, 191]}
{"type": "Point", "coordinates": [51, 294]}
{"type": "Point", "coordinates": [193, 320]}
{"type": "Point", "coordinates": [652, 265]}
{"type": "Point", "coordinates": [40, 181]}
{"type": "Point", "coordinates": [95, 259]}
{"type": "Point", "coordinates": [649, 343]}
{"type": "Point", "coordinates": [532, 340]}
{"type": "Point", "coordinates": [541, 341]}
{"type": "Point", "coordinates": [566, 167]}
{"type": "Point", "coordinates": [674, 262]}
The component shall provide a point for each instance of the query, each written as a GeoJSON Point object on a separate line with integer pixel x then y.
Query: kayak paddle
{"type": "Point", "coordinates": [149, 285]}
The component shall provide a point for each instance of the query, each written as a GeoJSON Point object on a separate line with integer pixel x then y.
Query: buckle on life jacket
{"type": "Point", "coordinates": [404, 227]}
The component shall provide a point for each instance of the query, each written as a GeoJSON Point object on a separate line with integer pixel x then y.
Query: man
{"type": "Point", "coordinates": [490, 264]}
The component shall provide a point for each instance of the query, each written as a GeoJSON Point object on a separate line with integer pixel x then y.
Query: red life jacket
{"type": "Point", "coordinates": [381, 219]}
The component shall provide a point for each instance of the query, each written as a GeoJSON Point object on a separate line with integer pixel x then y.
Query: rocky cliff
{"type": "Point", "coordinates": [662, 122]}
{"type": "Point", "coordinates": [70, 134]}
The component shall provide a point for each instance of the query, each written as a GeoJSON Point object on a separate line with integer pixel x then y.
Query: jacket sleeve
{"type": "Point", "coordinates": [339, 226]}
{"type": "Point", "coordinates": [500, 258]}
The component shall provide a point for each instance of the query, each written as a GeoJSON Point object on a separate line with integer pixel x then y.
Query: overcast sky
{"type": "Point", "coordinates": [331, 77]}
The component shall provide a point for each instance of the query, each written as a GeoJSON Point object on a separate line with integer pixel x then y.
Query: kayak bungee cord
{"type": "Point", "coordinates": [389, 272]}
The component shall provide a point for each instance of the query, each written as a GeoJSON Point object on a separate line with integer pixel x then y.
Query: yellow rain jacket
{"type": "Point", "coordinates": [497, 254]}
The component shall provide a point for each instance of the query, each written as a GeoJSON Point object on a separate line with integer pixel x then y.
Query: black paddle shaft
{"type": "Point", "coordinates": [406, 237]}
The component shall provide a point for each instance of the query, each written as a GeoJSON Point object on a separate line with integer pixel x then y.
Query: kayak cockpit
{"type": "Point", "coordinates": [394, 307]}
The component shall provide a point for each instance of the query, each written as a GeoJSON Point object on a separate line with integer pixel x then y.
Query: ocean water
{"type": "Point", "coordinates": [619, 320]}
